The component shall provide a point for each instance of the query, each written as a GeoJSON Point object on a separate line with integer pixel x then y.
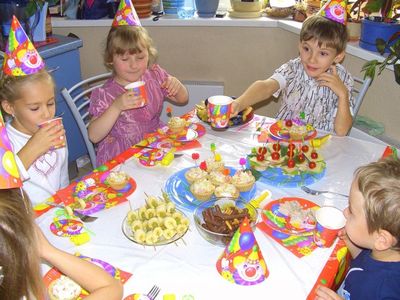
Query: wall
{"type": "Point", "coordinates": [238, 56]}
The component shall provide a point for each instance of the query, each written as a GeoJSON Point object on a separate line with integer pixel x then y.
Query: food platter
{"type": "Point", "coordinates": [277, 133]}
{"type": "Point", "coordinates": [278, 221]}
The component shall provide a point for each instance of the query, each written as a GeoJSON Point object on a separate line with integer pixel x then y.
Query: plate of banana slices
{"type": "Point", "coordinates": [156, 223]}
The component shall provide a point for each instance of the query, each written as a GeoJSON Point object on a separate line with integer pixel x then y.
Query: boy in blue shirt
{"type": "Point", "coordinates": [372, 235]}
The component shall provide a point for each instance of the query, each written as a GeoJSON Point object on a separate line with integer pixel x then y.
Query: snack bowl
{"type": "Point", "coordinates": [221, 212]}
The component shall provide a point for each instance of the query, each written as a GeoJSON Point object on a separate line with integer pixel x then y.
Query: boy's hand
{"type": "Point", "coordinates": [172, 86]}
{"type": "Point", "coordinates": [235, 108]}
{"type": "Point", "coordinates": [333, 81]}
{"type": "Point", "coordinates": [128, 100]}
{"type": "Point", "coordinates": [324, 293]}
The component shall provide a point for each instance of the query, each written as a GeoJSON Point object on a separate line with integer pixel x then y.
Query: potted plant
{"type": "Point", "coordinates": [380, 21]}
{"type": "Point", "coordinates": [393, 59]}
{"type": "Point", "coordinates": [354, 17]}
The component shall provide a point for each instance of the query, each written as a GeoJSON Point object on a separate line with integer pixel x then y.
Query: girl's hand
{"type": "Point", "coordinates": [43, 245]}
{"type": "Point", "coordinates": [323, 293]}
{"type": "Point", "coordinates": [172, 85]}
{"type": "Point", "coordinates": [50, 136]}
{"type": "Point", "coordinates": [333, 81]}
{"type": "Point", "coordinates": [128, 100]}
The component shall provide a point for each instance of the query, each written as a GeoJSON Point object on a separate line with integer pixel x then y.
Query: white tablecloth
{"type": "Point", "coordinates": [189, 267]}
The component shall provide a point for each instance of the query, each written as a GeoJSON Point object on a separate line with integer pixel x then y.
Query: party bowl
{"type": "Point", "coordinates": [217, 220]}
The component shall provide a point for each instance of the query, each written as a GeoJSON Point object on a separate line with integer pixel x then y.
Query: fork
{"type": "Point", "coordinates": [152, 294]}
{"type": "Point", "coordinates": [82, 217]}
{"type": "Point", "coordinates": [315, 192]}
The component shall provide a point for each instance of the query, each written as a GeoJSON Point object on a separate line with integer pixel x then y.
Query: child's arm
{"type": "Point", "coordinates": [89, 276]}
{"type": "Point", "coordinates": [324, 293]}
{"type": "Point", "coordinates": [99, 127]}
{"type": "Point", "coordinates": [343, 119]}
{"type": "Point", "coordinates": [258, 91]}
{"type": "Point", "coordinates": [46, 137]}
{"type": "Point", "coordinates": [176, 90]}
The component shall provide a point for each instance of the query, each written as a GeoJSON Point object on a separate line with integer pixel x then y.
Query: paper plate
{"type": "Point", "coordinates": [275, 132]}
{"type": "Point", "coordinates": [277, 221]}
{"type": "Point", "coordinates": [177, 188]}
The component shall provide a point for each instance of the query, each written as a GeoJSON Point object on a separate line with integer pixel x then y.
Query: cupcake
{"type": "Point", "coordinates": [214, 165]}
{"type": "Point", "coordinates": [64, 288]}
{"type": "Point", "coordinates": [202, 190]}
{"type": "Point", "coordinates": [243, 180]}
{"type": "Point", "coordinates": [218, 178]}
{"type": "Point", "coordinates": [227, 190]}
{"type": "Point", "coordinates": [195, 174]}
{"type": "Point", "coordinates": [117, 180]}
{"type": "Point", "coordinates": [176, 124]}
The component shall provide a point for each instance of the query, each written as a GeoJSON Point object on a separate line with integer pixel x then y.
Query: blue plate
{"type": "Point", "coordinates": [177, 188]}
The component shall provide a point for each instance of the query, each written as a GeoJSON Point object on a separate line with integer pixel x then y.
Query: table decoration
{"type": "Point", "coordinates": [177, 188]}
{"type": "Point", "coordinates": [242, 261]}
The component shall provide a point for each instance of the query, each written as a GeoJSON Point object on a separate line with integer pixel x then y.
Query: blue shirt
{"type": "Point", "coordinates": [368, 278]}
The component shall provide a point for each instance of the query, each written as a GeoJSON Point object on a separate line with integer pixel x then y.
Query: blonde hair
{"type": "Point", "coordinates": [11, 86]}
{"type": "Point", "coordinates": [325, 31]}
{"type": "Point", "coordinates": [19, 255]}
{"type": "Point", "coordinates": [131, 39]}
{"type": "Point", "coordinates": [379, 184]}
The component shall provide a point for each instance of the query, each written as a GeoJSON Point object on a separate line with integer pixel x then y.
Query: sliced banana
{"type": "Point", "coordinates": [132, 216]}
{"type": "Point", "coordinates": [170, 208]}
{"type": "Point", "coordinates": [153, 223]}
{"type": "Point", "coordinates": [158, 232]}
{"type": "Point", "coordinates": [181, 228]}
{"type": "Point", "coordinates": [151, 238]}
{"type": "Point", "coordinates": [170, 223]}
{"type": "Point", "coordinates": [136, 225]}
{"type": "Point", "coordinates": [140, 236]}
{"type": "Point", "coordinates": [168, 233]}
{"type": "Point", "coordinates": [150, 213]}
{"type": "Point", "coordinates": [161, 211]}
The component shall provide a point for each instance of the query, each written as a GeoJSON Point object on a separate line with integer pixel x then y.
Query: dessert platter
{"type": "Point", "coordinates": [291, 165]}
{"type": "Point", "coordinates": [191, 186]}
{"type": "Point", "coordinates": [242, 117]}
{"type": "Point", "coordinates": [292, 216]}
{"type": "Point", "coordinates": [292, 130]}
{"type": "Point", "coordinates": [156, 223]}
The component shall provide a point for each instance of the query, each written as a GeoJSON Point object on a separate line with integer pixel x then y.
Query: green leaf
{"type": "Point", "coordinates": [380, 45]}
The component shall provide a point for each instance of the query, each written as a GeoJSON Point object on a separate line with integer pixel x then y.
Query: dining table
{"type": "Point", "coordinates": [186, 268]}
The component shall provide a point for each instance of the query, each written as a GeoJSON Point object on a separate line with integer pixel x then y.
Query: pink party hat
{"type": "Point", "coordinates": [242, 261]}
{"type": "Point", "coordinates": [334, 10]}
{"type": "Point", "coordinates": [9, 175]}
{"type": "Point", "coordinates": [126, 15]}
{"type": "Point", "coordinates": [21, 58]}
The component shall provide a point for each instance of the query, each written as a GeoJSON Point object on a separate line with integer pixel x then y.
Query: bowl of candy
{"type": "Point", "coordinates": [217, 220]}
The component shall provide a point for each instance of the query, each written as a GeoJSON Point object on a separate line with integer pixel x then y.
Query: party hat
{"type": "Point", "coordinates": [334, 10]}
{"type": "Point", "coordinates": [126, 15]}
{"type": "Point", "coordinates": [21, 58]}
{"type": "Point", "coordinates": [242, 261]}
{"type": "Point", "coordinates": [9, 175]}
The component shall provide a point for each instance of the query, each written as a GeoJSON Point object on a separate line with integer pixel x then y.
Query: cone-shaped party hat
{"type": "Point", "coordinates": [242, 261]}
{"type": "Point", "coordinates": [9, 175]}
{"type": "Point", "coordinates": [126, 15]}
{"type": "Point", "coordinates": [21, 58]}
{"type": "Point", "coordinates": [334, 10]}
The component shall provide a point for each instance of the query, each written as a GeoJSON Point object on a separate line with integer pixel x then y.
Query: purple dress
{"type": "Point", "coordinates": [133, 124]}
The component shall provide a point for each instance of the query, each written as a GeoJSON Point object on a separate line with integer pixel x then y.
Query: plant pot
{"type": "Point", "coordinates": [371, 30]}
{"type": "Point", "coordinates": [206, 8]}
{"type": "Point", "coordinates": [354, 30]}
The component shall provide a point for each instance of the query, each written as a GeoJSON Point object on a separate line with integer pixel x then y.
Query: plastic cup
{"type": "Point", "coordinates": [219, 111]}
{"type": "Point", "coordinates": [139, 89]}
{"type": "Point", "coordinates": [57, 121]}
{"type": "Point", "coordinates": [329, 221]}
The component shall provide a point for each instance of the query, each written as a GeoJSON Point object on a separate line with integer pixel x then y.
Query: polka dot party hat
{"type": "Point", "coordinates": [334, 10]}
{"type": "Point", "coordinates": [21, 57]}
{"type": "Point", "coordinates": [126, 15]}
{"type": "Point", "coordinates": [242, 262]}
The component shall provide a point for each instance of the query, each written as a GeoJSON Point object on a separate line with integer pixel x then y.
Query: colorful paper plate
{"type": "Point", "coordinates": [137, 297]}
{"type": "Point", "coordinates": [177, 188]}
{"type": "Point", "coordinates": [198, 129]}
{"type": "Point", "coordinates": [275, 132]}
{"type": "Point", "coordinates": [273, 218]}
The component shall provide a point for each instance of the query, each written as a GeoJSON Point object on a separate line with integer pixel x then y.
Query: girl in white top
{"type": "Point", "coordinates": [30, 101]}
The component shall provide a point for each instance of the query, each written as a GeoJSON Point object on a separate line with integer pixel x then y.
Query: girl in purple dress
{"type": "Point", "coordinates": [118, 120]}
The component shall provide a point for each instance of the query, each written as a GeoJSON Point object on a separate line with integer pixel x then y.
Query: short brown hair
{"type": "Point", "coordinates": [379, 184]}
{"type": "Point", "coordinates": [131, 39]}
{"type": "Point", "coordinates": [325, 31]}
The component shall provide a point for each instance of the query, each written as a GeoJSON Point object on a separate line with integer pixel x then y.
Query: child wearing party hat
{"type": "Point", "coordinates": [314, 86]}
{"type": "Point", "coordinates": [118, 118]}
{"type": "Point", "coordinates": [372, 234]}
{"type": "Point", "coordinates": [27, 97]}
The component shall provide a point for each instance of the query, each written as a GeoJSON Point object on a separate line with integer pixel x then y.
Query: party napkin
{"type": "Point", "coordinates": [242, 261]}
{"type": "Point", "coordinates": [299, 245]}
{"type": "Point", "coordinates": [53, 274]}
{"type": "Point", "coordinates": [21, 58]}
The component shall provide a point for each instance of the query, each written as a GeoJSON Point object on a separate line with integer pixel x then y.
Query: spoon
{"type": "Point", "coordinates": [315, 192]}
